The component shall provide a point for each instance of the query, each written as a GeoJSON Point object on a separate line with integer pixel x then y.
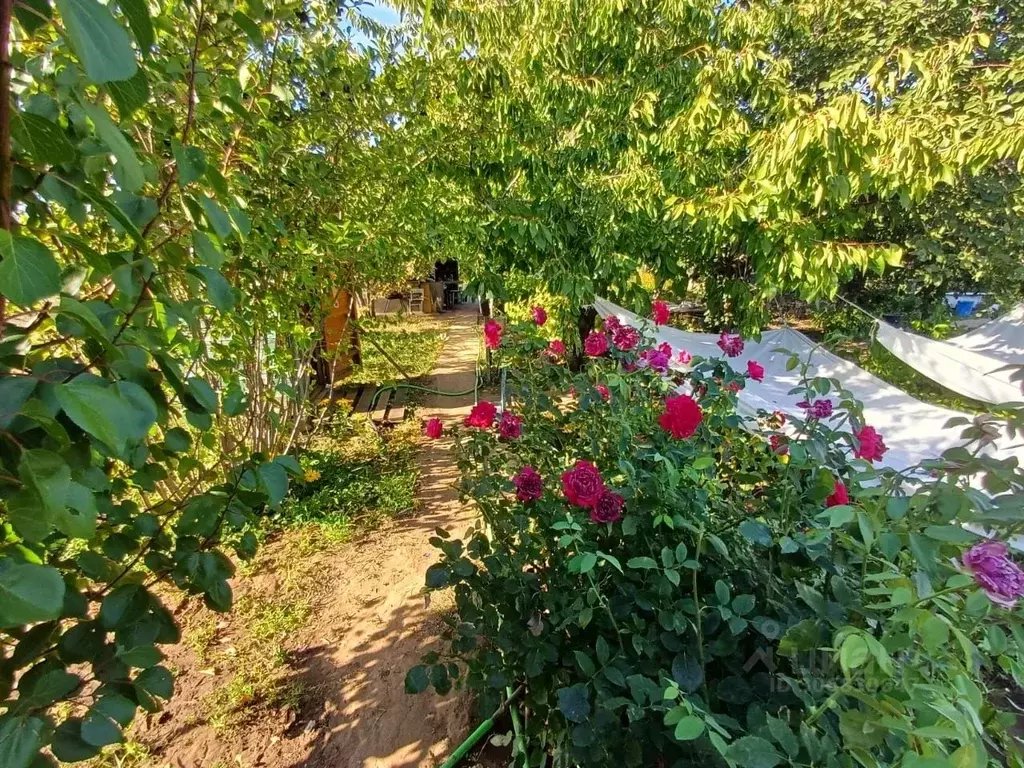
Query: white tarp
{"type": "Point", "coordinates": [913, 431]}
{"type": "Point", "coordinates": [957, 368]}
{"type": "Point", "coordinates": [1001, 339]}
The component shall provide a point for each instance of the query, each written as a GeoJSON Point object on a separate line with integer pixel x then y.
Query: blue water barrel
{"type": "Point", "coordinates": [964, 307]}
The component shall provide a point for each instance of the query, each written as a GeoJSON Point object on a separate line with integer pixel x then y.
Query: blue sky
{"type": "Point", "coordinates": [378, 11]}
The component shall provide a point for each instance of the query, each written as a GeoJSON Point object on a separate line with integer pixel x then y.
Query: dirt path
{"type": "Point", "coordinates": [370, 624]}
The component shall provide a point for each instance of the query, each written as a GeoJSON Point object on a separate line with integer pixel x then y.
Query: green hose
{"type": "Point", "coordinates": [481, 731]}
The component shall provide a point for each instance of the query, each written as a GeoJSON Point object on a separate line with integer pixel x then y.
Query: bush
{"type": "Point", "coordinates": [728, 599]}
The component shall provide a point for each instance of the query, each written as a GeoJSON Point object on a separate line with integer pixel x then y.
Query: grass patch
{"type": "Point", "coordinates": [355, 479]}
{"type": "Point", "coordinates": [127, 755]}
{"type": "Point", "coordinates": [413, 341]}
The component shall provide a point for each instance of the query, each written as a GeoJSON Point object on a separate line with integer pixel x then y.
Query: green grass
{"type": "Point", "coordinates": [354, 479]}
{"type": "Point", "coordinates": [413, 341]}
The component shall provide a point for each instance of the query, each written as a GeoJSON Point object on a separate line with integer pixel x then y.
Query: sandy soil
{"type": "Point", "coordinates": [370, 624]}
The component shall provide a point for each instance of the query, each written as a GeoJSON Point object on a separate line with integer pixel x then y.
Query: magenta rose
{"type": "Point", "coordinates": [433, 428]}
{"type": "Point", "coordinates": [510, 427]}
{"type": "Point", "coordinates": [731, 344]}
{"type": "Point", "coordinates": [596, 344]}
{"type": "Point", "coordinates": [582, 485]}
{"type": "Point", "coordinates": [540, 316]}
{"type": "Point", "coordinates": [659, 312]}
{"type": "Point", "coordinates": [529, 484]}
{"type": "Point", "coordinates": [481, 415]}
{"type": "Point", "coordinates": [996, 573]}
{"type": "Point", "coordinates": [608, 508]}
{"type": "Point", "coordinates": [870, 445]}
{"type": "Point", "coordinates": [625, 337]}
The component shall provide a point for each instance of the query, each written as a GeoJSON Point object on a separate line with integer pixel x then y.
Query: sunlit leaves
{"type": "Point", "coordinates": [28, 271]}
{"type": "Point", "coordinates": [98, 38]}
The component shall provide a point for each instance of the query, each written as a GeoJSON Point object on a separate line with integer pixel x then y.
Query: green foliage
{"type": "Point", "coordinates": [412, 341]}
{"type": "Point", "coordinates": [753, 147]}
{"type": "Point", "coordinates": [354, 477]}
{"type": "Point", "coordinates": [734, 614]}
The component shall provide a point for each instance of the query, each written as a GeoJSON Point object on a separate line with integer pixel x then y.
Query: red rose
{"type": "Point", "coordinates": [756, 370]}
{"type": "Point", "coordinates": [838, 495]}
{"type": "Point", "coordinates": [529, 484]}
{"type": "Point", "coordinates": [731, 344]}
{"type": "Point", "coordinates": [608, 508]}
{"type": "Point", "coordinates": [510, 426]}
{"type": "Point", "coordinates": [539, 315]}
{"type": "Point", "coordinates": [555, 349]}
{"type": "Point", "coordinates": [582, 484]}
{"type": "Point", "coordinates": [482, 415]}
{"type": "Point", "coordinates": [780, 444]}
{"type": "Point", "coordinates": [605, 393]}
{"type": "Point", "coordinates": [869, 444]}
{"type": "Point", "coordinates": [596, 344]}
{"type": "Point", "coordinates": [433, 428]}
{"type": "Point", "coordinates": [682, 416]}
{"type": "Point", "coordinates": [659, 312]}
{"type": "Point", "coordinates": [492, 334]}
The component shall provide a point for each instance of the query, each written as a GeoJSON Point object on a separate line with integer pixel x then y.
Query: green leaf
{"type": "Point", "coordinates": [101, 43]}
{"type": "Point", "coordinates": [191, 162]}
{"type": "Point", "coordinates": [222, 296]}
{"type": "Point", "coordinates": [97, 410]}
{"type": "Point", "coordinates": [48, 475]}
{"type": "Point", "coordinates": [111, 135]}
{"type": "Point", "coordinates": [28, 271]}
{"type": "Point", "coordinates": [952, 534]}
{"type": "Point", "coordinates": [144, 656]}
{"type": "Point", "coordinates": [50, 687]}
{"type": "Point", "coordinates": [203, 393]}
{"type": "Point", "coordinates": [275, 480]}
{"type": "Point", "coordinates": [129, 95]}
{"type": "Point", "coordinates": [437, 576]}
{"type": "Point", "coordinates": [94, 196]}
{"type": "Point", "coordinates": [641, 563]}
{"type": "Point", "coordinates": [14, 391]}
{"type": "Point", "coordinates": [207, 251]}
{"type": "Point", "coordinates": [29, 593]}
{"type": "Point", "coordinates": [32, 14]}
{"type": "Point", "coordinates": [68, 745]}
{"type": "Point", "coordinates": [250, 28]}
{"type": "Point", "coordinates": [417, 679]}
{"type": "Point", "coordinates": [756, 533]}
{"type": "Point", "coordinates": [178, 440]}
{"type": "Point", "coordinates": [215, 215]}
{"type": "Point", "coordinates": [753, 752]}
{"type": "Point", "coordinates": [44, 140]}
{"type": "Point", "coordinates": [20, 739]}
{"type": "Point", "coordinates": [152, 684]}
{"type": "Point", "coordinates": [703, 462]}
{"type": "Point", "coordinates": [83, 314]}
{"type": "Point", "coordinates": [137, 13]}
{"type": "Point", "coordinates": [125, 605]}
{"type": "Point", "coordinates": [574, 703]}
{"type": "Point", "coordinates": [689, 728]}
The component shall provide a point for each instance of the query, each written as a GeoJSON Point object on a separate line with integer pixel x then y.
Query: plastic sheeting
{"type": "Point", "coordinates": [957, 368]}
{"type": "Point", "coordinates": [913, 431]}
{"type": "Point", "coordinates": [1001, 339]}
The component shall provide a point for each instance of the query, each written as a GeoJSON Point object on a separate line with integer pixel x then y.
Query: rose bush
{"type": "Point", "coordinates": [666, 586]}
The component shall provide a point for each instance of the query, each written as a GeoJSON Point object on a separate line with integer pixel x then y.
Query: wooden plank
{"type": "Point", "coordinates": [382, 406]}
{"type": "Point", "coordinates": [397, 412]}
{"type": "Point", "coordinates": [364, 399]}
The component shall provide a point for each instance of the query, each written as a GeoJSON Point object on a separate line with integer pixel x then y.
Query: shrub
{"type": "Point", "coordinates": [752, 601]}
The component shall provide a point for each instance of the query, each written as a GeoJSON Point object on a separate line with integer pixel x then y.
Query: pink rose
{"type": "Point", "coordinates": [819, 409]}
{"type": "Point", "coordinates": [605, 393]}
{"type": "Point", "coordinates": [684, 357]}
{"type": "Point", "coordinates": [596, 344]}
{"type": "Point", "coordinates": [611, 324]}
{"type": "Point", "coordinates": [433, 428]}
{"type": "Point", "coordinates": [582, 485]}
{"type": "Point", "coordinates": [755, 370]}
{"type": "Point", "coordinates": [482, 415]}
{"type": "Point", "coordinates": [555, 349]}
{"type": "Point", "coordinates": [510, 427]}
{"type": "Point", "coordinates": [529, 484]}
{"type": "Point", "coordinates": [660, 313]}
{"type": "Point", "coordinates": [539, 315]}
{"type": "Point", "coordinates": [625, 337]}
{"type": "Point", "coordinates": [731, 344]}
{"type": "Point", "coordinates": [869, 444]}
{"type": "Point", "coordinates": [608, 507]}
{"type": "Point", "coordinates": [492, 334]}
{"type": "Point", "coordinates": [996, 572]}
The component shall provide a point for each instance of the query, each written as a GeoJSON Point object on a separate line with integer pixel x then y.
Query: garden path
{"type": "Point", "coordinates": [370, 624]}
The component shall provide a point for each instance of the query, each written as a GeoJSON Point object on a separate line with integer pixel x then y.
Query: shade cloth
{"type": "Point", "coordinates": [959, 369]}
{"type": "Point", "coordinates": [913, 430]}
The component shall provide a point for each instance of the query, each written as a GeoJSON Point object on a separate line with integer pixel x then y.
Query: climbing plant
{"type": "Point", "coordinates": [183, 188]}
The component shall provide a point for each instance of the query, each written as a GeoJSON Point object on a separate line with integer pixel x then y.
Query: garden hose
{"type": "Point", "coordinates": [481, 730]}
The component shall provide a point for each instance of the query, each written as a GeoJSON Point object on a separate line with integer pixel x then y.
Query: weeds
{"type": "Point", "coordinates": [413, 341]}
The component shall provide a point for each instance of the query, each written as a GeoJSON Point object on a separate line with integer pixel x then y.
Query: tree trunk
{"type": "Point", "coordinates": [585, 324]}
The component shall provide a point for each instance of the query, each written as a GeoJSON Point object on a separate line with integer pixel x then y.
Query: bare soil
{"type": "Point", "coordinates": [369, 623]}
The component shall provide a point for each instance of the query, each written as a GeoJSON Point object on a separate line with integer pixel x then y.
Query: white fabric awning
{"type": "Point", "coordinates": [958, 368]}
{"type": "Point", "coordinates": [914, 431]}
